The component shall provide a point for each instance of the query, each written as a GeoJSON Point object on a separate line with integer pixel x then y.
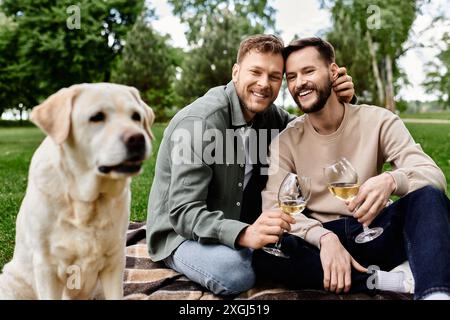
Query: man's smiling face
{"type": "Point", "coordinates": [309, 79]}
{"type": "Point", "coordinates": [257, 79]}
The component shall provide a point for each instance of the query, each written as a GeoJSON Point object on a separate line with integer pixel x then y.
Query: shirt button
{"type": "Point", "coordinates": [239, 184]}
{"type": "Point", "coordinates": [238, 204]}
{"type": "Point", "coordinates": [242, 165]}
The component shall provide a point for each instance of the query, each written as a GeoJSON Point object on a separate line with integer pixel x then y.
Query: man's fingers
{"type": "Point", "coordinates": [341, 281]}
{"type": "Point", "coordinates": [341, 88]}
{"type": "Point", "coordinates": [364, 208]}
{"type": "Point", "coordinates": [272, 230]}
{"type": "Point", "coordinates": [372, 212]}
{"type": "Point", "coordinates": [334, 279]}
{"type": "Point", "coordinates": [276, 217]}
{"type": "Point", "coordinates": [358, 267]}
{"type": "Point", "coordinates": [348, 280]}
{"type": "Point", "coordinates": [343, 82]}
{"type": "Point", "coordinates": [342, 71]}
{"type": "Point", "coordinates": [326, 277]}
{"type": "Point", "coordinates": [357, 201]}
{"type": "Point", "coordinates": [280, 215]}
{"type": "Point", "coordinates": [267, 239]}
{"type": "Point", "coordinates": [369, 216]}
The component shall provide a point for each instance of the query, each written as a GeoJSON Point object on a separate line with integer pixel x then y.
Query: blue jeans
{"type": "Point", "coordinates": [416, 228]}
{"type": "Point", "coordinates": [222, 270]}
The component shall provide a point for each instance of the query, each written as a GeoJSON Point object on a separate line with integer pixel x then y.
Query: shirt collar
{"type": "Point", "coordinates": [237, 116]}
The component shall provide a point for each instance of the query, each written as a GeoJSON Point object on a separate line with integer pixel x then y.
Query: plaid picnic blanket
{"type": "Point", "coordinates": [148, 280]}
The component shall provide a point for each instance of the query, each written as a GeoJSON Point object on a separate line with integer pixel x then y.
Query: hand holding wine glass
{"type": "Point", "coordinates": [293, 196]}
{"type": "Point", "coordinates": [343, 183]}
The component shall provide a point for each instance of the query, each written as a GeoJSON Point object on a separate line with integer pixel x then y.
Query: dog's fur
{"type": "Point", "coordinates": [71, 227]}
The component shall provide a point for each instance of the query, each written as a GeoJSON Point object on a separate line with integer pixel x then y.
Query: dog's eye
{"type": "Point", "coordinates": [98, 117]}
{"type": "Point", "coordinates": [136, 116]}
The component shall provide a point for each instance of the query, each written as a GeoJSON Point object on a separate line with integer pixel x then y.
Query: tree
{"type": "Point", "coordinates": [210, 64]}
{"type": "Point", "coordinates": [14, 78]}
{"type": "Point", "coordinates": [56, 44]}
{"type": "Point", "coordinates": [216, 28]}
{"type": "Point", "coordinates": [201, 14]}
{"type": "Point", "coordinates": [377, 29]}
{"type": "Point", "coordinates": [438, 75]}
{"type": "Point", "coordinates": [148, 63]}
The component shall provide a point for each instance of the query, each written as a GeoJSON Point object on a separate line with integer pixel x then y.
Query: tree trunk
{"type": "Point", "coordinates": [376, 72]}
{"type": "Point", "coordinates": [390, 102]}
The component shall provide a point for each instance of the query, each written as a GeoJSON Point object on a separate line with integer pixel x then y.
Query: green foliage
{"type": "Point", "coordinates": [216, 29]}
{"type": "Point", "coordinates": [199, 14]}
{"type": "Point", "coordinates": [438, 75]}
{"type": "Point", "coordinates": [402, 105]}
{"type": "Point", "coordinates": [210, 64]}
{"type": "Point", "coordinates": [355, 32]}
{"type": "Point", "coordinates": [39, 53]}
{"type": "Point", "coordinates": [148, 63]}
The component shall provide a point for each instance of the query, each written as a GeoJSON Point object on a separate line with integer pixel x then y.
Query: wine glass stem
{"type": "Point", "coordinates": [366, 229]}
{"type": "Point", "coordinates": [278, 244]}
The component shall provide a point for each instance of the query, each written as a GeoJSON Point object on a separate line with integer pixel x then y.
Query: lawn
{"type": "Point", "coordinates": [444, 115]}
{"type": "Point", "coordinates": [18, 144]}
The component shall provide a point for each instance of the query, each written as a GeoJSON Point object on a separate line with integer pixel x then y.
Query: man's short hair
{"type": "Point", "coordinates": [324, 48]}
{"type": "Point", "coordinates": [262, 43]}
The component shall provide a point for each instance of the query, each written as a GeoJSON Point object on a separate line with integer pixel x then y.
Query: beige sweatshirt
{"type": "Point", "coordinates": [368, 137]}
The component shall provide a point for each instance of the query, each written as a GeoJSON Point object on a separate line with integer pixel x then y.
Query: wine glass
{"type": "Point", "coordinates": [343, 183]}
{"type": "Point", "coordinates": [293, 195]}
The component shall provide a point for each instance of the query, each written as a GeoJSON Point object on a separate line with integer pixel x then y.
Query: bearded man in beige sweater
{"type": "Point", "coordinates": [321, 244]}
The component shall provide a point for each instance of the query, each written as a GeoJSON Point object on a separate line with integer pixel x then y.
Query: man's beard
{"type": "Point", "coordinates": [322, 96]}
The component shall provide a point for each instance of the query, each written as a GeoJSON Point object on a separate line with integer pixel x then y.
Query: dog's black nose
{"type": "Point", "coordinates": [135, 144]}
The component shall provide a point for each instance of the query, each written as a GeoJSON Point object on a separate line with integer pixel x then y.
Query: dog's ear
{"type": "Point", "coordinates": [149, 114]}
{"type": "Point", "coordinates": [53, 115]}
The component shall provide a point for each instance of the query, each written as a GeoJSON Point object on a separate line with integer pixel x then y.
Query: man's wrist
{"type": "Point", "coordinates": [327, 237]}
{"type": "Point", "coordinates": [240, 240]}
{"type": "Point", "coordinates": [390, 182]}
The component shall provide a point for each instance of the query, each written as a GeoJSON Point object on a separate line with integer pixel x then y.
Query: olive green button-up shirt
{"type": "Point", "coordinates": [194, 197]}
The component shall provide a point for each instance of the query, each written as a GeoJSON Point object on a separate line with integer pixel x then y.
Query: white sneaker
{"type": "Point", "coordinates": [408, 282]}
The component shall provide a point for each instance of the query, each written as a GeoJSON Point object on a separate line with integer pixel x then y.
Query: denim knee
{"type": "Point", "coordinates": [235, 274]}
{"type": "Point", "coordinates": [220, 269]}
{"type": "Point", "coordinates": [430, 192]}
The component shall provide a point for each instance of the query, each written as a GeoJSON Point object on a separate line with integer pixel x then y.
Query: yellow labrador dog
{"type": "Point", "coordinates": [71, 228]}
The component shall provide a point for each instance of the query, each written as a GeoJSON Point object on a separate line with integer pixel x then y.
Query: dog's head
{"type": "Point", "coordinates": [107, 126]}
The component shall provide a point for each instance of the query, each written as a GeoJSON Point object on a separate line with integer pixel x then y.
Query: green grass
{"type": "Point", "coordinates": [444, 115]}
{"type": "Point", "coordinates": [434, 139]}
{"type": "Point", "coordinates": [16, 148]}
{"type": "Point", "coordinates": [18, 144]}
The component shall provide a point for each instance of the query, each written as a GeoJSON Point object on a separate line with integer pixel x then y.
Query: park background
{"type": "Point", "coordinates": [397, 52]}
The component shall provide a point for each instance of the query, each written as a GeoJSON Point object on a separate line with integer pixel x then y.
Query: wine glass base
{"type": "Point", "coordinates": [368, 235]}
{"type": "Point", "coordinates": [275, 252]}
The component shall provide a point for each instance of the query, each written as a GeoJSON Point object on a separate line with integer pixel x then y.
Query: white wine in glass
{"type": "Point", "coordinates": [344, 191]}
{"type": "Point", "coordinates": [343, 183]}
{"type": "Point", "coordinates": [292, 207]}
{"type": "Point", "coordinates": [293, 196]}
